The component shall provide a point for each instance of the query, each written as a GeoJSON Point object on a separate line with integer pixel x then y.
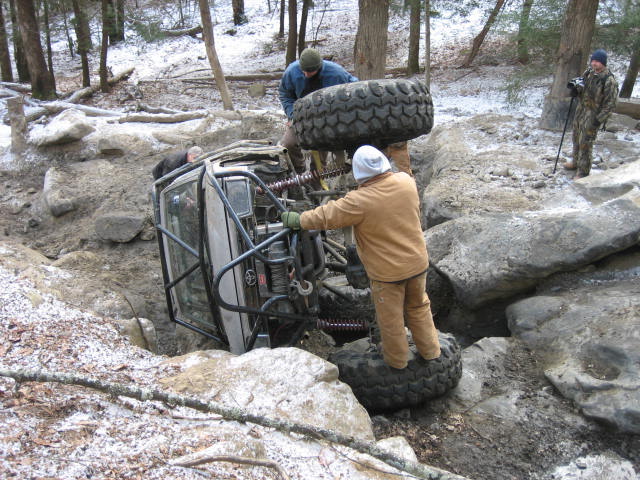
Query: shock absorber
{"type": "Point", "coordinates": [302, 179]}
{"type": "Point", "coordinates": [279, 278]}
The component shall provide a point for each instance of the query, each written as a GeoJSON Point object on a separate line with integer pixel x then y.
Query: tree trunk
{"type": "Point", "coordinates": [523, 32]}
{"type": "Point", "coordinates": [281, 31]}
{"type": "Point", "coordinates": [370, 49]}
{"type": "Point", "coordinates": [67, 32]}
{"type": "Point", "coordinates": [631, 76]}
{"type": "Point", "coordinates": [18, 123]}
{"type": "Point", "coordinates": [43, 84]}
{"type": "Point", "coordinates": [81, 25]}
{"type": "Point", "coordinates": [47, 33]}
{"type": "Point", "coordinates": [5, 57]}
{"type": "Point", "coordinates": [477, 42]}
{"type": "Point", "coordinates": [18, 47]}
{"type": "Point", "coordinates": [104, 46]}
{"type": "Point", "coordinates": [413, 62]}
{"type": "Point", "coordinates": [239, 18]}
{"type": "Point", "coordinates": [118, 35]}
{"type": "Point", "coordinates": [427, 43]}
{"type": "Point", "coordinates": [573, 54]}
{"type": "Point", "coordinates": [302, 36]}
{"type": "Point", "coordinates": [216, 68]}
{"type": "Point", "coordinates": [292, 39]}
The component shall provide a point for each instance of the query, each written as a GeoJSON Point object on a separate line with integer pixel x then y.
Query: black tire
{"type": "Point", "coordinates": [373, 112]}
{"type": "Point", "coordinates": [379, 387]}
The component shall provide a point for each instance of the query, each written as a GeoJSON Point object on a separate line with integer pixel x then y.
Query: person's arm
{"type": "Point", "coordinates": [287, 94]}
{"type": "Point", "coordinates": [608, 102]}
{"type": "Point", "coordinates": [339, 213]}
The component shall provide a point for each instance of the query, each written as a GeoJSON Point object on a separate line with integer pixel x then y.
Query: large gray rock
{"type": "Point", "coordinates": [120, 227]}
{"type": "Point", "coordinates": [69, 126]}
{"type": "Point", "coordinates": [286, 382]}
{"type": "Point", "coordinates": [587, 341]}
{"type": "Point", "coordinates": [58, 199]}
{"type": "Point", "coordinates": [497, 256]}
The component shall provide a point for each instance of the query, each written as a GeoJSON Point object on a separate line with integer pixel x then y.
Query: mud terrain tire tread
{"type": "Point", "coordinates": [381, 388]}
{"type": "Point", "coordinates": [375, 112]}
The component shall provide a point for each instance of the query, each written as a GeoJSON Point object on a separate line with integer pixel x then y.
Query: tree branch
{"type": "Point", "coordinates": [237, 414]}
{"type": "Point", "coordinates": [258, 462]}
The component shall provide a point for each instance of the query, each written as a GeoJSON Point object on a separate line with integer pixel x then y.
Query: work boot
{"type": "Point", "coordinates": [570, 165]}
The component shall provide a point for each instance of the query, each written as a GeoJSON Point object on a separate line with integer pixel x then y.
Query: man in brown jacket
{"type": "Point", "coordinates": [385, 214]}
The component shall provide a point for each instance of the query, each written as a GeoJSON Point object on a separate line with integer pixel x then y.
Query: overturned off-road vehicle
{"type": "Point", "coordinates": [233, 273]}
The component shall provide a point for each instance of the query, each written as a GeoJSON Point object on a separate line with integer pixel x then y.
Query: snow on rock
{"type": "Point", "coordinates": [60, 431]}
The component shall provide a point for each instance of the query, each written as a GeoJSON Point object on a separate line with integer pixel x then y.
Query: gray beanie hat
{"type": "Point", "coordinates": [368, 162]}
{"type": "Point", "coordinates": [310, 60]}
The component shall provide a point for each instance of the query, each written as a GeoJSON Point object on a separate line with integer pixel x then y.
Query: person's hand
{"type": "Point", "coordinates": [291, 220]}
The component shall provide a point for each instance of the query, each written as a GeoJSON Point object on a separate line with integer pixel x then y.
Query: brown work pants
{"type": "Point", "coordinates": [290, 142]}
{"type": "Point", "coordinates": [400, 302]}
{"type": "Point", "coordinates": [398, 153]}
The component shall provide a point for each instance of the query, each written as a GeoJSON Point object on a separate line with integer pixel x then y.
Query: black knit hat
{"type": "Point", "coordinates": [310, 60]}
{"type": "Point", "coordinates": [600, 56]}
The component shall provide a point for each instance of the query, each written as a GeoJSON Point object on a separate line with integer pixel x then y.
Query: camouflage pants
{"type": "Point", "coordinates": [400, 302]}
{"type": "Point", "coordinates": [584, 135]}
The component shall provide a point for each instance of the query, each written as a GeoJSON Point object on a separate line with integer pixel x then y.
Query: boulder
{"type": "Point", "coordinates": [489, 257]}
{"type": "Point", "coordinates": [304, 391]}
{"type": "Point", "coordinates": [120, 227]}
{"type": "Point", "coordinates": [69, 126]}
{"type": "Point", "coordinates": [587, 342]}
{"type": "Point", "coordinates": [58, 199]}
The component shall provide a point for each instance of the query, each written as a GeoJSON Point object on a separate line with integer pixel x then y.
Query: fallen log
{"type": "Point", "coordinates": [629, 106]}
{"type": "Point", "coordinates": [18, 87]}
{"type": "Point", "coordinates": [58, 106]}
{"type": "Point", "coordinates": [178, 116]}
{"type": "Point", "coordinates": [74, 97]}
{"type": "Point", "coordinates": [163, 117]}
{"type": "Point", "coordinates": [192, 31]}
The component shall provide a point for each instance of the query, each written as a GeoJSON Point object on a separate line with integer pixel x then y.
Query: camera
{"type": "Point", "coordinates": [576, 85]}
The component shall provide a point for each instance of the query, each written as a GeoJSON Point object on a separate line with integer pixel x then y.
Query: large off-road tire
{"type": "Point", "coordinates": [379, 387]}
{"type": "Point", "coordinates": [373, 112]}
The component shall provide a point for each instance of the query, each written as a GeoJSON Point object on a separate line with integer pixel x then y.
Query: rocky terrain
{"type": "Point", "coordinates": [537, 275]}
{"type": "Point", "coordinates": [512, 416]}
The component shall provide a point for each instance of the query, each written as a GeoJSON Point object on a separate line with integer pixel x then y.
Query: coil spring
{"type": "Point", "coordinates": [302, 179]}
{"type": "Point", "coordinates": [336, 324]}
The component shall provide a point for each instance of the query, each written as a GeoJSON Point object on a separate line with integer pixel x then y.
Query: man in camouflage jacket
{"type": "Point", "coordinates": [597, 98]}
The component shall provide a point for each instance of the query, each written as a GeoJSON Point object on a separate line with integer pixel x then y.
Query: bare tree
{"type": "Point", "coordinates": [427, 43]}
{"type": "Point", "coordinates": [239, 17]}
{"type": "Point", "coordinates": [43, 84]}
{"type": "Point", "coordinates": [118, 35]}
{"type": "Point", "coordinates": [47, 34]}
{"type": "Point", "coordinates": [413, 61]}
{"type": "Point", "coordinates": [5, 57]}
{"type": "Point", "coordinates": [573, 53]}
{"type": "Point", "coordinates": [302, 40]}
{"type": "Point", "coordinates": [370, 49]}
{"type": "Point", "coordinates": [477, 42]}
{"type": "Point", "coordinates": [81, 25]}
{"type": "Point", "coordinates": [523, 32]}
{"type": "Point", "coordinates": [292, 39]}
{"type": "Point", "coordinates": [281, 30]}
{"type": "Point", "coordinates": [104, 46]}
{"type": "Point", "coordinates": [216, 68]}
{"type": "Point", "coordinates": [18, 48]}
{"type": "Point", "coordinates": [632, 74]}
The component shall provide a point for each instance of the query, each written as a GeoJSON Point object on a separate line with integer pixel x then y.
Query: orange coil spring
{"type": "Point", "coordinates": [336, 324]}
{"type": "Point", "coordinates": [302, 179]}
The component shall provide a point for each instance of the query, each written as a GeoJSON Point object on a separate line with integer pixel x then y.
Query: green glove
{"type": "Point", "coordinates": [291, 220]}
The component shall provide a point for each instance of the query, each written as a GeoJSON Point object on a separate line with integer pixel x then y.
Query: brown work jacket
{"type": "Point", "coordinates": [385, 214]}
